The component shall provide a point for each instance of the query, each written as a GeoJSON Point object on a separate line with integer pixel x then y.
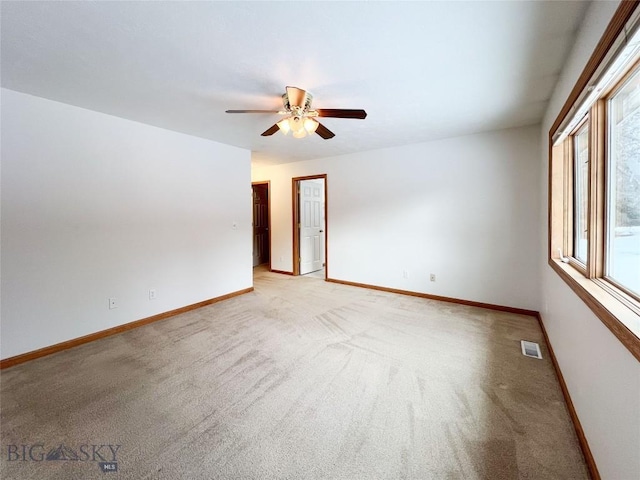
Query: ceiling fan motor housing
{"type": "Point", "coordinates": [303, 101]}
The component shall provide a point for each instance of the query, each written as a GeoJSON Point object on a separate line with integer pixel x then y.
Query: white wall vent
{"type": "Point", "coordinates": [530, 349]}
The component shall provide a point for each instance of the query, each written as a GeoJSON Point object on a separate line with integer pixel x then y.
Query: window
{"type": "Point", "coordinates": [594, 181]}
{"type": "Point", "coordinates": [623, 186]}
{"type": "Point", "coordinates": [580, 192]}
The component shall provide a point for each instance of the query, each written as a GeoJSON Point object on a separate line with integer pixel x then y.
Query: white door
{"type": "Point", "coordinates": [311, 225]}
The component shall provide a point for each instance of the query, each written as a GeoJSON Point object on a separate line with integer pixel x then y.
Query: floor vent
{"type": "Point", "coordinates": [530, 349]}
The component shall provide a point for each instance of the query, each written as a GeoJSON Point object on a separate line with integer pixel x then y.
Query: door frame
{"type": "Point", "coordinates": [268, 184]}
{"type": "Point", "coordinates": [295, 193]}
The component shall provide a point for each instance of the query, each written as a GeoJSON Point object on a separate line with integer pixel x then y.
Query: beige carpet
{"type": "Point", "coordinates": [301, 379]}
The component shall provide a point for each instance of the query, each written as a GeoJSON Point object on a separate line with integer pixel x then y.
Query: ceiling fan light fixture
{"type": "Point", "coordinates": [283, 125]}
{"type": "Point", "coordinates": [310, 125]}
{"type": "Point", "coordinates": [300, 133]}
{"type": "Point", "coordinates": [295, 123]}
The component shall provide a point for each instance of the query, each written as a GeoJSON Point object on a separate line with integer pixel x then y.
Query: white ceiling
{"type": "Point", "coordinates": [421, 70]}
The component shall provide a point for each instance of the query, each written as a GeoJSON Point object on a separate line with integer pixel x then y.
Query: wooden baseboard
{"type": "Point", "coordinates": [58, 347]}
{"type": "Point", "coordinates": [281, 272]}
{"type": "Point", "coordinates": [582, 439]}
{"type": "Point", "coordinates": [490, 306]}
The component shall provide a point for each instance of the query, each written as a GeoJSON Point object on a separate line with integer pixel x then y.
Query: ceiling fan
{"type": "Point", "coordinates": [301, 118]}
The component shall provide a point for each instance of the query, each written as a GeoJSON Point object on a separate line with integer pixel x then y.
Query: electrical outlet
{"type": "Point", "coordinates": [405, 274]}
{"type": "Point", "coordinates": [432, 277]}
{"type": "Point", "coordinates": [112, 303]}
{"type": "Point", "coordinates": [152, 294]}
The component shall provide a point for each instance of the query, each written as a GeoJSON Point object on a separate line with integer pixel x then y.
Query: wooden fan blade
{"type": "Point", "coordinates": [297, 96]}
{"type": "Point", "coordinates": [271, 130]}
{"type": "Point", "coordinates": [324, 132]}
{"type": "Point", "coordinates": [252, 111]}
{"type": "Point", "coordinates": [341, 113]}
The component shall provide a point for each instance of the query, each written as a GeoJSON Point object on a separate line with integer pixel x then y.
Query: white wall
{"type": "Point", "coordinates": [465, 209]}
{"type": "Point", "coordinates": [94, 206]}
{"type": "Point", "coordinates": [603, 378]}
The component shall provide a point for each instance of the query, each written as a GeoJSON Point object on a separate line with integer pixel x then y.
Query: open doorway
{"type": "Point", "coordinates": [261, 224]}
{"type": "Point", "coordinates": [310, 226]}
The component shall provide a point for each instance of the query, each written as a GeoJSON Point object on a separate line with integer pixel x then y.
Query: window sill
{"type": "Point", "coordinates": [620, 318]}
